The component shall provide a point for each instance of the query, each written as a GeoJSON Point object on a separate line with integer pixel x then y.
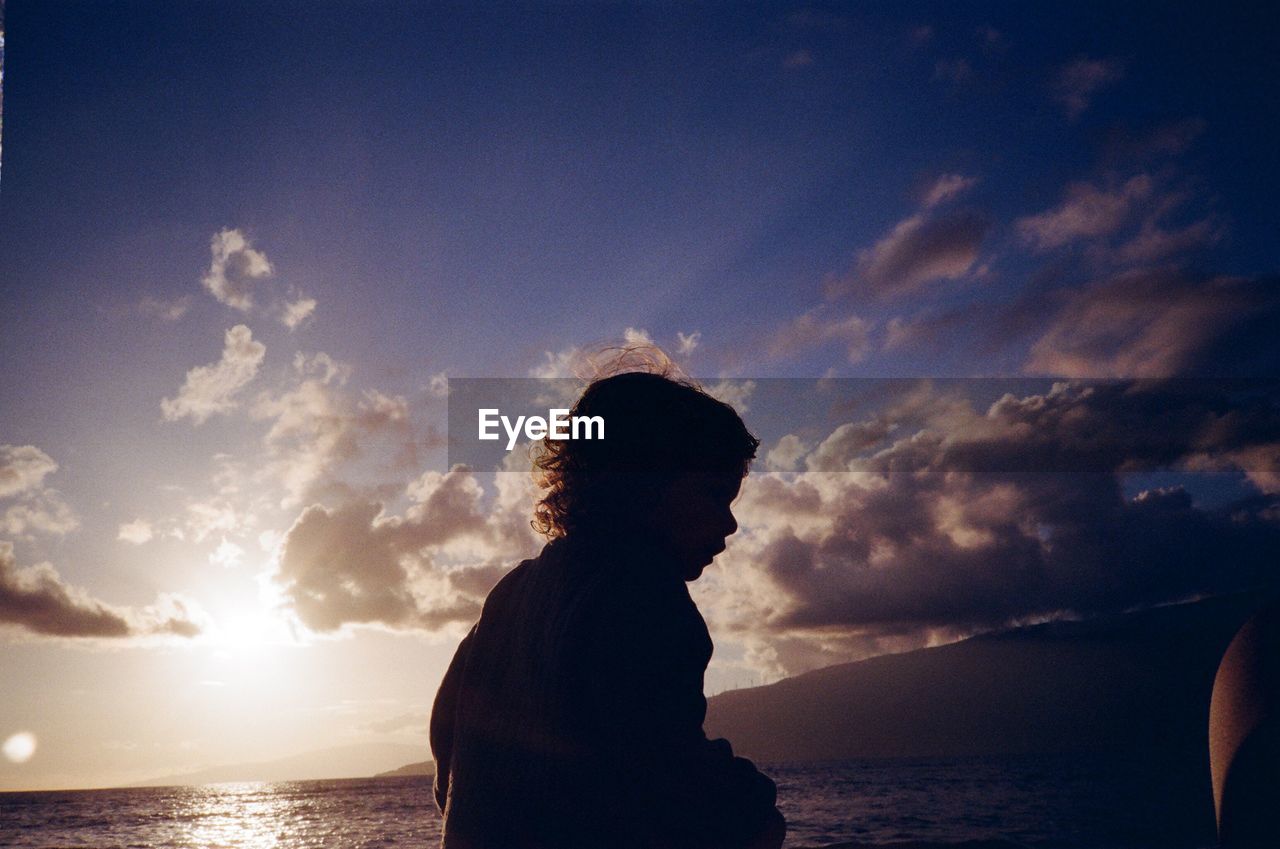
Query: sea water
{"type": "Point", "coordinates": [1064, 802]}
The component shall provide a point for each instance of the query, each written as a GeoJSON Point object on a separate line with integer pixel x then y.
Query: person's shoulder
{"type": "Point", "coordinates": [513, 583]}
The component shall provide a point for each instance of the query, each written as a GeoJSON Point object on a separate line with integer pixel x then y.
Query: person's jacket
{"type": "Point", "coordinates": [571, 715]}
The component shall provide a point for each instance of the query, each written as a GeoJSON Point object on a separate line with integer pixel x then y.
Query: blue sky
{"type": "Point", "coordinates": [240, 246]}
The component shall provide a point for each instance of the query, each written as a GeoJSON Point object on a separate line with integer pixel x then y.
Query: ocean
{"type": "Point", "coordinates": [1063, 802]}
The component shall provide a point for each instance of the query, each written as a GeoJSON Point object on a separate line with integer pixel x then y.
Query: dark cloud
{"type": "Point", "coordinates": [919, 250]}
{"type": "Point", "coordinates": [37, 600]}
{"type": "Point", "coordinates": [1077, 82]}
{"type": "Point", "coordinates": [1125, 144]}
{"type": "Point", "coordinates": [1160, 323]}
{"type": "Point", "coordinates": [970, 518]}
{"type": "Point", "coordinates": [355, 565]}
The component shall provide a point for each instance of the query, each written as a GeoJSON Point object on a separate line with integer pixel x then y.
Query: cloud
{"type": "Point", "coordinates": [1161, 323]}
{"type": "Point", "coordinates": [975, 517]}
{"type": "Point", "coordinates": [23, 467]}
{"type": "Point", "coordinates": [438, 385]}
{"type": "Point", "coordinates": [565, 363]}
{"type": "Point", "coordinates": [41, 512]}
{"type": "Point", "coordinates": [1086, 212]}
{"type": "Point", "coordinates": [317, 425]}
{"type": "Point", "coordinates": [786, 455]}
{"type": "Point", "coordinates": [946, 188]}
{"type": "Point", "coordinates": [1162, 140]}
{"type": "Point", "coordinates": [735, 393]}
{"type": "Point", "coordinates": [688, 343]}
{"type": "Point", "coordinates": [138, 532]}
{"type": "Point", "coordinates": [211, 389]}
{"type": "Point", "coordinates": [636, 337]}
{"type": "Point", "coordinates": [342, 566]}
{"type": "Point", "coordinates": [1155, 243]}
{"type": "Point", "coordinates": [214, 514]}
{"type": "Point", "coordinates": [39, 509]}
{"type": "Point", "coordinates": [234, 269]}
{"type": "Point", "coordinates": [166, 310]}
{"type": "Point", "coordinates": [294, 313]}
{"type": "Point", "coordinates": [812, 330]}
{"type": "Point", "coordinates": [428, 568]}
{"type": "Point", "coordinates": [1075, 84]}
{"type": "Point", "coordinates": [227, 555]}
{"type": "Point", "coordinates": [919, 250]}
{"type": "Point", "coordinates": [636, 350]}
{"type": "Point", "coordinates": [37, 600]}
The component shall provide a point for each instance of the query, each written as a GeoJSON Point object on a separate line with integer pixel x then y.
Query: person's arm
{"type": "Point", "coordinates": [443, 711]}
{"type": "Point", "coordinates": [646, 703]}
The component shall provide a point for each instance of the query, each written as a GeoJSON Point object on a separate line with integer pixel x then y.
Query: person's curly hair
{"type": "Point", "coordinates": [658, 427]}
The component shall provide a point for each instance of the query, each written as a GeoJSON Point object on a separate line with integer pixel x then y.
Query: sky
{"type": "Point", "coordinates": [996, 285]}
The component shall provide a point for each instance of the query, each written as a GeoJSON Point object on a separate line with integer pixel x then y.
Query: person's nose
{"type": "Point", "coordinates": [731, 526]}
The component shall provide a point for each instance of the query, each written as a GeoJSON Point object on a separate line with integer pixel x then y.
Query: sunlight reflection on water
{"type": "Point", "coordinates": [1050, 802]}
{"type": "Point", "coordinates": [346, 814]}
{"type": "Point", "coordinates": [238, 815]}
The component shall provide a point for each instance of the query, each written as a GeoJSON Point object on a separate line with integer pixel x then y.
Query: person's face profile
{"type": "Point", "coordinates": [694, 517]}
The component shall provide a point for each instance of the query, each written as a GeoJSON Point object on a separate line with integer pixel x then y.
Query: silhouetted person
{"type": "Point", "coordinates": [571, 715]}
{"type": "Point", "coordinates": [1244, 735]}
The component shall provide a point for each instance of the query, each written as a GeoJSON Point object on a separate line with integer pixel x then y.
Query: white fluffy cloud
{"type": "Point", "coordinates": [138, 531]}
{"type": "Point", "coordinates": [234, 269]}
{"type": "Point", "coordinates": [42, 512]}
{"type": "Point", "coordinates": [23, 467]}
{"type": "Point", "coordinates": [37, 509]}
{"type": "Point", "coordinates": [212, 389]}
{"type": "Point", "coordinates": [294, 313]}
{"type": "Point", "coordinates": [786, 455]}
{"type": "Point", "coordinates": [317, 425]}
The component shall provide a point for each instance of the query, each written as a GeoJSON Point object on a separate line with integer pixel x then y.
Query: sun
{"type": "Point", "coordinates": [249, 633]}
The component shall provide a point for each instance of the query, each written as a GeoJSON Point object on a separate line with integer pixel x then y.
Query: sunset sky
{"type": "Point", "coordinates": [243, 247]}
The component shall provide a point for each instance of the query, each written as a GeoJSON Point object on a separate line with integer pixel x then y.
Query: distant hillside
{"type": "Point", "coordinates": [1137, 681]}
{"type": "Point", "coordinates": [419, 768]}
{"type": "Point", "coordinates": [354, 761]}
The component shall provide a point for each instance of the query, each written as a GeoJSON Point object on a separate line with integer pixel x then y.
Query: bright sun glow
{"type": "Point", "coordinates": [250, 630]}
{"type": "Point", "coordinates": [20, 747]}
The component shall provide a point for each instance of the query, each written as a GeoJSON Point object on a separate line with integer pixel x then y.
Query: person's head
{"type": "Point", "coordinates": [671, 462]}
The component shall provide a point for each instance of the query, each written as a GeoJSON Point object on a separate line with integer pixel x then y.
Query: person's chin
{"type": "Point", "coordinates": [694, 570]}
